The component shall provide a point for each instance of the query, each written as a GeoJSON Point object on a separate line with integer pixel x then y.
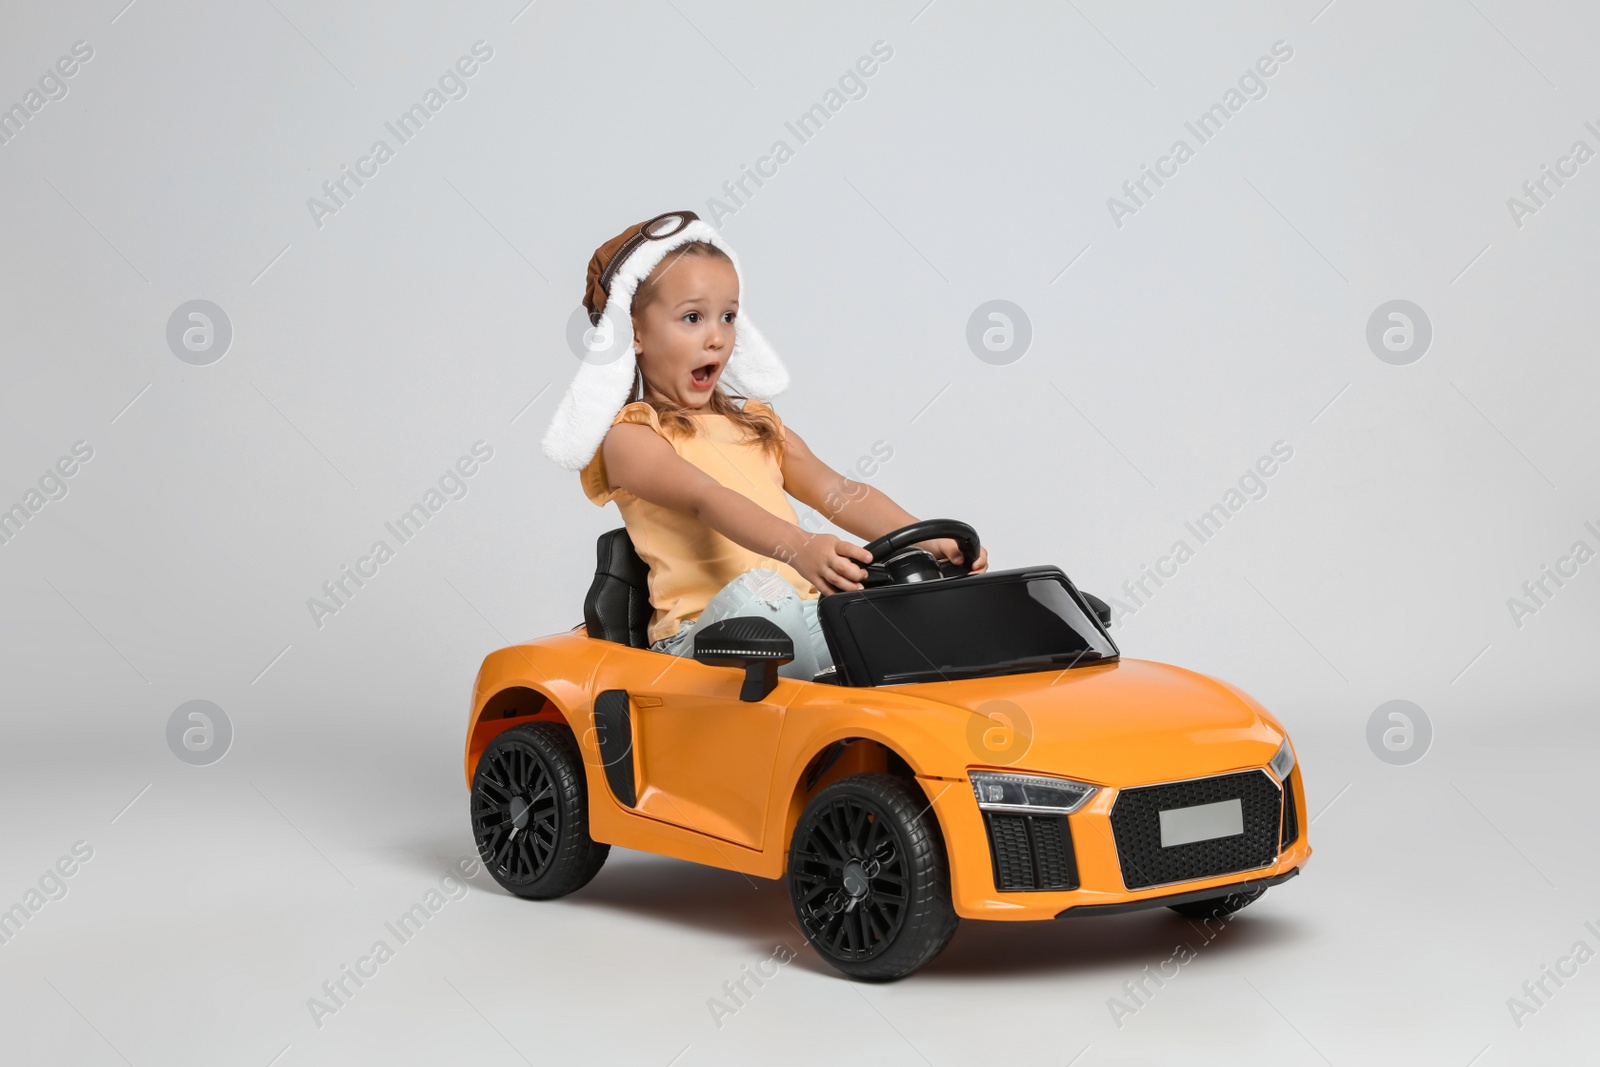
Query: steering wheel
{"type": "Point", "coordinates": [894, 561]}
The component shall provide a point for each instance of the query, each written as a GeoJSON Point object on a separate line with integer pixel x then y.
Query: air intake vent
{"type": "Point", "coordinates": [1291, 818]}
{"type": "Point", "coordinates": [1031, 852]}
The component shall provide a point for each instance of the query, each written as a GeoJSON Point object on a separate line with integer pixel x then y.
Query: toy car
{"type": "Point", "coordinates": [979, 750]}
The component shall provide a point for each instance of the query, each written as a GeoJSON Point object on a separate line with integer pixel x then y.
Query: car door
{"type": "Point", "coordinates": [702, 758]}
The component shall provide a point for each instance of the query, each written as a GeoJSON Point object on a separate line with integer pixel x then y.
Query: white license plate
{"type": "Point", "coordinates": [1202, 822]}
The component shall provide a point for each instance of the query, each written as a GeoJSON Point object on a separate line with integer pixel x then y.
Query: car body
{"type": "Point", "coordinates": [675, 762]}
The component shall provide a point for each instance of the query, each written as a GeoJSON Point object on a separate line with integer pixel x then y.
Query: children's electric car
{"type": "Point", "coordinates": [980, 750]}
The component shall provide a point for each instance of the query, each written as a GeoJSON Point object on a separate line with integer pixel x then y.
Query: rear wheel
{"type": "Point", "coordinates": [530, 812]}
{"type": "Point", "coordinates": [1218, 907]}
{"type": "Point", "coordinates": [869, 878]}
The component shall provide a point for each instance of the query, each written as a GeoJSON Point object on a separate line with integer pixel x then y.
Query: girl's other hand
{"type": "Point", "coordinates": [831, 564]}
{"type": "Point", "coordinates": [946, 548]}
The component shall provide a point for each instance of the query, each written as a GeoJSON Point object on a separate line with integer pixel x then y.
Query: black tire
{"type": "Point", "coordinates": [530, 812]}
{"type": "Point", "coordinates": [869, 878]}
{"type": "Point", "coordinates": [1217, 907]}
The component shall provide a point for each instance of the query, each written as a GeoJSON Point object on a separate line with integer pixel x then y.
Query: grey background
{"type": "Point", "coordinates": [1167, 355]}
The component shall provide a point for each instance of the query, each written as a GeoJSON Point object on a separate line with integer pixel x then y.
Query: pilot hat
{"type": "Point", "coordinates": [606, 370]}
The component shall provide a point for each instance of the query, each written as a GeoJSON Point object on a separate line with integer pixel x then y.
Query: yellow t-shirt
{"type": "Point", "coordinates": [689, 561]}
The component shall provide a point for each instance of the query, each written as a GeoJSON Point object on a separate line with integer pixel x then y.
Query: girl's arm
{"type": "Point", "coordinates": [642, 462]}
{"type": "Point", "coordinates": [853, 505]}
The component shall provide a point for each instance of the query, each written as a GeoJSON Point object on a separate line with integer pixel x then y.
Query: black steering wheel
{"type": "Point", "coordinates": [894, 561]}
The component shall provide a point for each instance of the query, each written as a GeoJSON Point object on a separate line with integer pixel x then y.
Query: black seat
{"type": "Point", "coordinates": [618, 605]}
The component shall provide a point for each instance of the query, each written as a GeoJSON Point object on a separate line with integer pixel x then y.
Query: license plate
{"type": "Point", "coordinates": [1202, 822]}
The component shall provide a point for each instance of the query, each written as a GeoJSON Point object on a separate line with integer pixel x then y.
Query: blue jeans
{"type": "Point", "coordinates": [764, 593]}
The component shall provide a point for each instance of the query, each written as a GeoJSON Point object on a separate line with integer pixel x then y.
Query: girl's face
{"type": "Point", "coordinates": [684, 336]}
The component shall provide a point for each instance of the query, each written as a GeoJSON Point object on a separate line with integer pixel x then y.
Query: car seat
{"type": "Point", "coordinates": [618, 605]}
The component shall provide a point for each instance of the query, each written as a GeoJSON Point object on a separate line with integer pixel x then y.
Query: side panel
{"type": "Point", "coordinates": [570, 671]}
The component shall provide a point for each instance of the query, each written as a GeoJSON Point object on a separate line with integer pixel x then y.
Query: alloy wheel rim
{"type": "Point", "coordinates": [514, 816]}
{"type": "Point", "coordinates": [849, 880]}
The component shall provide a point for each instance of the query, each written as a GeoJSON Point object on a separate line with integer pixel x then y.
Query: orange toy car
{"type": "Point", "coordinates": [980, 749]}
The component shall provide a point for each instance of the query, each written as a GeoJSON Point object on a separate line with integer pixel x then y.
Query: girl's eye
{"type": "Point", "coordinates": [729, 316]}
{"type": "Point", "coordinates": [693, 316]}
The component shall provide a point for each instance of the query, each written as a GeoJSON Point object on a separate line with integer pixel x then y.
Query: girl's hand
{"type": "Point", "coordinates": [830, 564]}
{"type": "Point", "coordinates": [946, 548]}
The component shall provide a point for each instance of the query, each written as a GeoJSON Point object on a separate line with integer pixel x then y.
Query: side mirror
{"type": "Point", "coordinates": [1102, 610]}
{"type": "Point", "coordinates": [758, 645]}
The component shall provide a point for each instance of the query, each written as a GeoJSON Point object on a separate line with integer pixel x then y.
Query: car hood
{"type": "Point", "coordinates": [1124, 723]}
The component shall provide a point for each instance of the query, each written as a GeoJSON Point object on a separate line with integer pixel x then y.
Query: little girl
{"type": "Point", "coordinates": [700, 473]}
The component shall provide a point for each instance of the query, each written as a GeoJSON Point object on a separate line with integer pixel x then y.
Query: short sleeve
{"type": "Point", "coordinates": [757, 407]}
{"type": "Point", "coordinates": [596, 482]}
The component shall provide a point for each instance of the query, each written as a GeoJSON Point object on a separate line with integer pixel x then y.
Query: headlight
{"type": "Point", "coordinates": [1283, 762]}
{"type": "Point", "coordinates": [1000, 791]}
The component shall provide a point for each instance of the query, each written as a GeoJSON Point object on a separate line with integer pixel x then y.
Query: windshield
{"type": "Point", "coordinates": [969, 628]}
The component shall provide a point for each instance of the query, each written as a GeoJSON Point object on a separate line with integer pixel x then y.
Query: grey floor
{"type": "Point", "coordinates": [218, 900]}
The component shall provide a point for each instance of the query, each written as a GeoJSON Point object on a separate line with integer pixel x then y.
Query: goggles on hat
{"type": "Point", "coordinates": [662, 226]}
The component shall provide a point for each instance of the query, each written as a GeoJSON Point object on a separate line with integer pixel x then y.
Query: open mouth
{"type": "Point", "coordinates": [702, 375]}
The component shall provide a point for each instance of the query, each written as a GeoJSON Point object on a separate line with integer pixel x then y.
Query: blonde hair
{"type": "Point", "coordinates": [674, 417]}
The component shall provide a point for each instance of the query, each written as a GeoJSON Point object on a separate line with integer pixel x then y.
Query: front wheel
{"type": "Point", "coordinates": [530, 812]}
{"type": "Point", "coordinates": [869, 878]}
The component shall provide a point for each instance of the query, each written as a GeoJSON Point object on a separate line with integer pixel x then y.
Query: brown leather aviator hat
{"type": "Point", "coordinates": [604, 380]}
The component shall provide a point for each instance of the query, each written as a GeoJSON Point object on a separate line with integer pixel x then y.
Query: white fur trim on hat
{"type": "Point", "coordinates": [605, 375]}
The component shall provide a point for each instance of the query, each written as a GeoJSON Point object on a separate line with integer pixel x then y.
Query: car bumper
{"type": "Point", "coordinates": [1098, 870]}
{"type": "Point", "coordinates": [1167, 900]}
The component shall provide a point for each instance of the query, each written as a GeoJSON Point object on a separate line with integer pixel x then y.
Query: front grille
{"type": "Point", "coordinates": [1136, 825]}
{"type": "Point", "coordinates": [1291, 818]}
{"type": "Point", "coordinates": [1031, 852]}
